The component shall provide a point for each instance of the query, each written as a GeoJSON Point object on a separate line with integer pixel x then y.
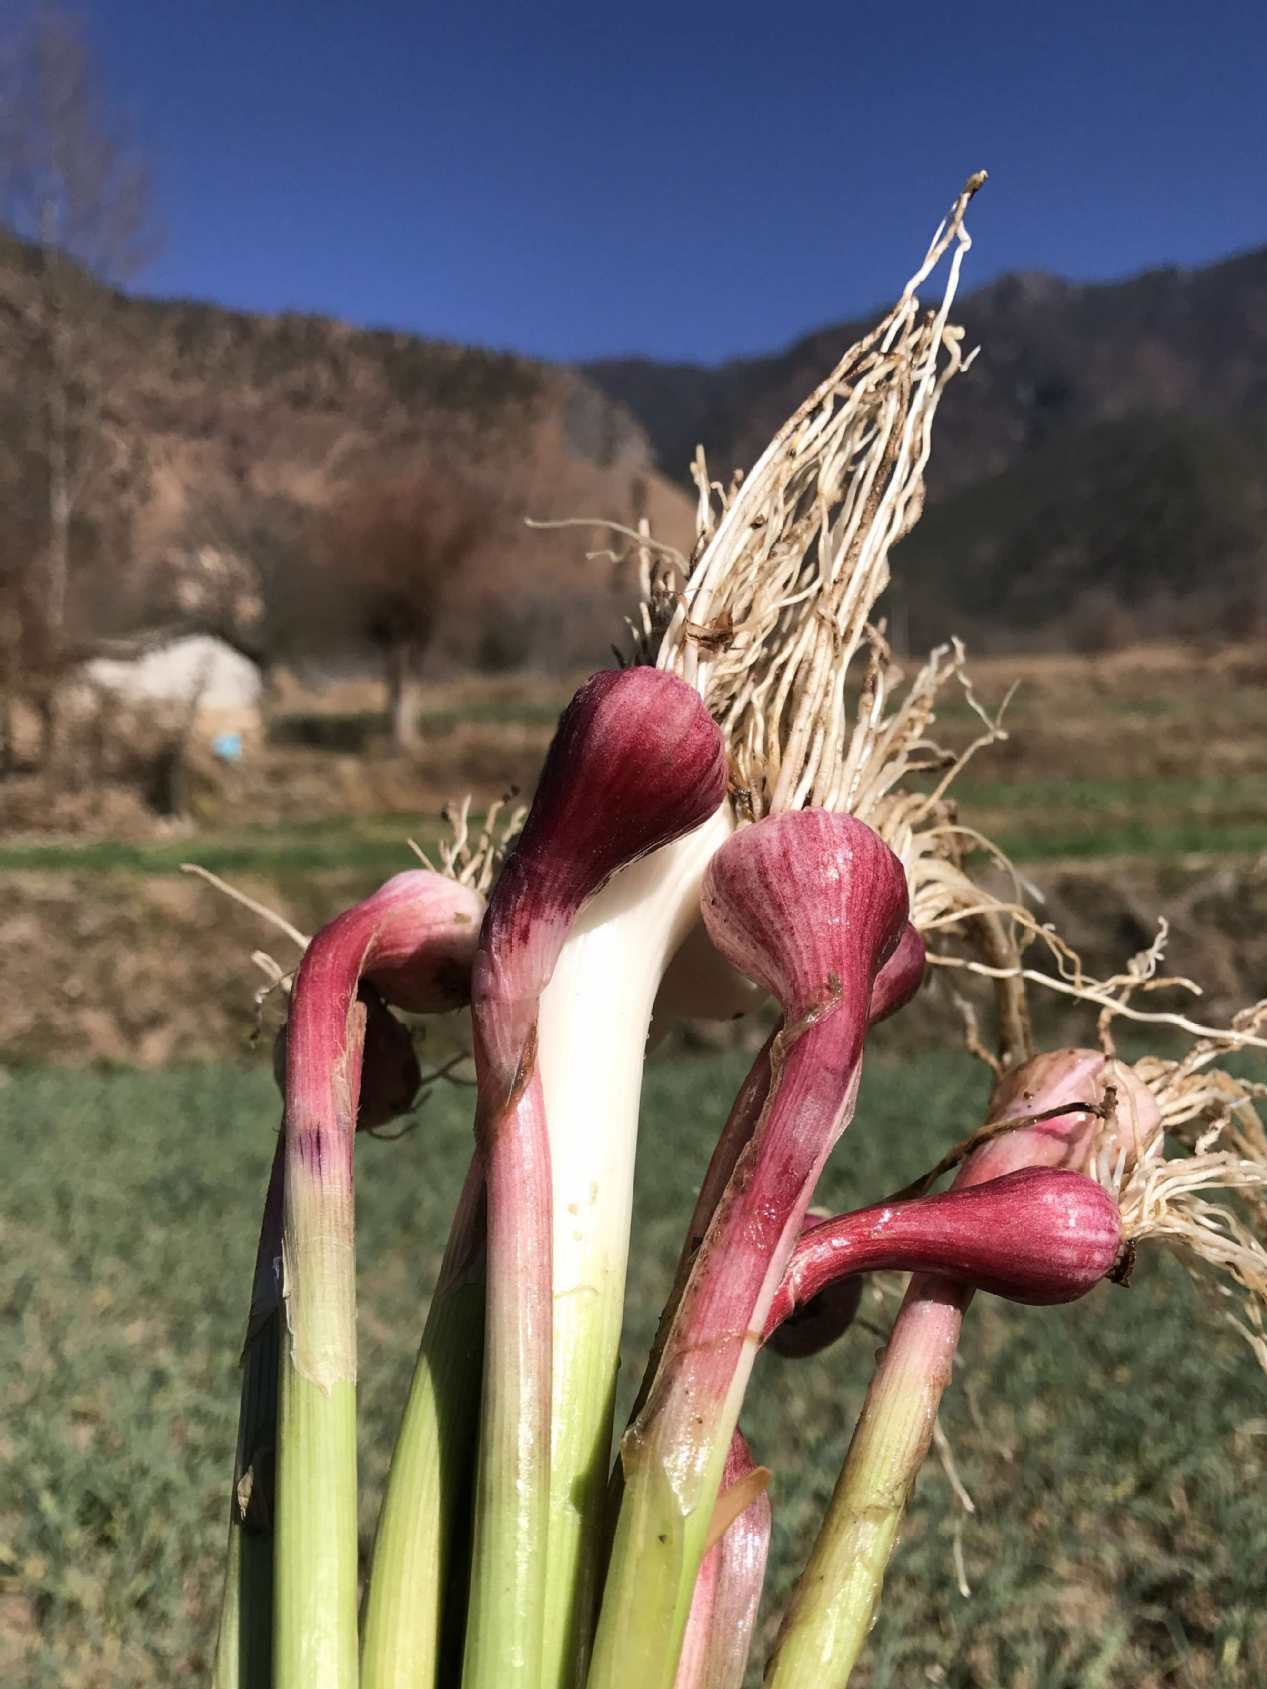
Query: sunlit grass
{"type": "Point", "coordinates": [373, 842]}
{"type": "Point", "coordinates": [1115, 1450]}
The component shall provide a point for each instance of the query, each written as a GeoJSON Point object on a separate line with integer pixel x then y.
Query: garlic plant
{"type": "Point", "coordinates": [754, 809]}
{"type": "Point", "coordinates": [636, 763]}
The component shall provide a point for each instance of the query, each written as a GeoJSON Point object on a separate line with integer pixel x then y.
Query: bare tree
{"type": "Point", "coordinates": [74, 189]}
{"type": "Point", "coordinates": [388, 558]}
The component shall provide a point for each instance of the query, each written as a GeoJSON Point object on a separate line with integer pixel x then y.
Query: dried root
{"type": "Point", "coordinates": [790, 563]}
{"type": "Point", "coordinates": [475, 860]}
{"type": "Point", "coordinates": [1197, 1180]}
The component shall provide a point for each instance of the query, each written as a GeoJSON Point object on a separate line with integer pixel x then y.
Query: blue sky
{"type": "Point", "coordinates": [685, 181]}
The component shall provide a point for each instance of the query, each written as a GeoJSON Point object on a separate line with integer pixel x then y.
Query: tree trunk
{"type": "Point", "coordinates": [47, 709]}
{"type": "Point", "coordinates": [8, 747]}
{"type": "Point", "coordinates": [59, 515]}
{"type": "Point", "coordinates": [57, 445]}
{"type": "Point", "coordinates": [268, 692]}
{"type": "Point", "coordinates": [403, 702]}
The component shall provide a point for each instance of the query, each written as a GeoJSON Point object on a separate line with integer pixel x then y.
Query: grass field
{"type": "Point", "coordinates": [1032, 820]}
{"type": "Point", "coordinates": [1115, 1450]}
{"type": "Point", "coordinates": [375, 845]}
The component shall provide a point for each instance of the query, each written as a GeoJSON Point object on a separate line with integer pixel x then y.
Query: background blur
{"type": "Point", "coordinates": [304, 308]}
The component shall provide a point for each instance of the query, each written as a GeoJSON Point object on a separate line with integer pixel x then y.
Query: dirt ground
{"type": "Point", "coordinates": [1162, 713]}
{"type": "Point", "coordinates": [1131, 786]}
{"type": "Point", "coordinates": [147, 970]}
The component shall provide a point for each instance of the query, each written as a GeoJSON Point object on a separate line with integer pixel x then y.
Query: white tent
{"type": "Point", "coordinates": [199, 667]}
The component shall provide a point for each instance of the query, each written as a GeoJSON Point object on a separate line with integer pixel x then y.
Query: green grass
{"type": "Point", "coordinates": [353, 731]}
{"type": "Point", "coordinates": [1146, 817]}
{"type": "Point", "coordinates": [1152, 817]}
{"type": "Point", "coordinates": [1200, 796]}
{"type": "Point", "coordinates": [1031, 821]}
{"type": "Point", "coordinates": [1135, 837]}
{"type": "Point", "coordinates": [376, 843]}
{"type": "Point", "coordinates": [1115, 1450]}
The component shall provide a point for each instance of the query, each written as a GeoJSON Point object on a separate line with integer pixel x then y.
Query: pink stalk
{"type": "Point", "coordinates": [693, 1660]}
{"type": "Point", "coordinates": [896, 983]}
{"type": "Point", "coordinates": [1058, 1078]}
{"type": "Point", "coordinates": [815, 1324]}
{"type": "Point", "coordinates": [390, 1074]}
{"type": "Point", "coordinates": [389, 1082]}
{"type": "Point", "coordinates": [833, 1606]}
{"type": "Point", "coordinates": [637, 762]}
{"type": "Point", "coordinates": [900, 977]}
{"type": "Point", "coordinates": [811, 905]}
{"type": "Point", "coordinates": [423, 929]}
{"type": "Point", "coordinates": [727, 1595]}
{"type": "Point", "coordinates": [1038, 1235]}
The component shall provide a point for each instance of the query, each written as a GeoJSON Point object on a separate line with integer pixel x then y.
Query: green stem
{"type": "Point", "coordinates": [594, 1019]}
{"type": "Point", "coordinates": [244, 1646]}
{"type": "Point", "coordinates": [510, 1544]}
{"type": "Point", "coordinates": [230, 1669]}
{"type": "Point", "coordinates": [674, 1453]}
{"type": "Point", "coordinates": [314, 1634]}
{"type": "Point", "coordinates": [728, 1588]}
{"type": "Point", "coordinates": [834, 1603]}
{"type": "Point", "coordinates": [405, 1642]}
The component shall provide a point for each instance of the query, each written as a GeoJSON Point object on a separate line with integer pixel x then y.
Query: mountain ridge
{"type": "Point", "coordinates": [1154, 308]}
{"type": "Point", "coordinates": [232, 433]}
{"type": "Point", "coordinates": [1154, 388]}
{"type": "Point", "coordinates": [1108, 440]}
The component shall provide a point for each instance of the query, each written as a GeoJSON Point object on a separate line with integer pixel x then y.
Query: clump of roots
{"type": "Point", "coordinates": [772, 619]}
{"type": "Point", "coordinates": [1198, 1180]}
{"type": "Point", "coordinates": [789, 564]}
{"type": "Point", "coordinates": [475, 859]}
